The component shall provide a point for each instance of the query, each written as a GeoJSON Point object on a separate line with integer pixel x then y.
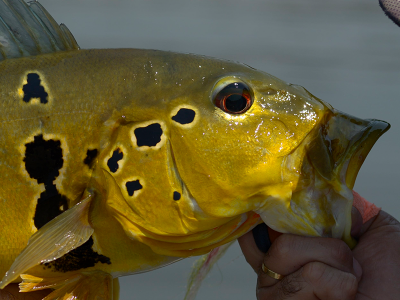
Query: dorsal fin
{"type": "Point", "coordinates": [28, 30]}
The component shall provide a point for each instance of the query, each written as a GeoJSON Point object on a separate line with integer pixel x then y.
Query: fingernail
{"type": "Point", "coordinates": [261, 237]}
{"type": "Point", "coordinates": [357, 269]}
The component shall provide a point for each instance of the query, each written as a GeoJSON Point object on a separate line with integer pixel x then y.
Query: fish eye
{"type": "Point", "coordinates": [235, 98]}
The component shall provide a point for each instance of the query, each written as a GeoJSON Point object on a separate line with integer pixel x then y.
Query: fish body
{"type": "Point", "coordinates": [120, 161]}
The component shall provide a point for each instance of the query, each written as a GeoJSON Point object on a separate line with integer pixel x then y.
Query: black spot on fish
{"type": "Point", "coordinates": [149, 135]}
{"type": "Point", "coordinates": [184, 116]}
{"type": "Point", "coordinates": [50, 204]}
{"type": "Point", "coordinates": [43, 160]}
{"type": "Point", "coordinates": [33, 89]}
{"type": "Point", "coordinates": [80, 258]}
{"type": "Point", "coordinates": [177, 196]}
{"type": "Point", "coordinates": [132, 186]}
{"type": "Point", "coordinates": [90, 156]}
{"type": "Point", "coordinates": [112, 163]}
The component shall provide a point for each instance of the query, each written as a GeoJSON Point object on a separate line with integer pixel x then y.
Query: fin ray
{"type": "Point", "coordinates": [52, 27]}
{"type": "Point", "coordinates": [31, 26]}
{"type": "Point", "coordinates": [29, 30]}
{"type": "Point", "coordinates": [14, 25]}
{"type": "Point", "coordinates": [95, 285]}
{"type": "Point", "coordinates": [202, 267]}
{"type": "Point", "coordinates": [62, 234]}
{"type": "Point", "coordinates": [9, 46]}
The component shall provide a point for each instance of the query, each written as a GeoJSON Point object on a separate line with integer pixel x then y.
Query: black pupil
{"type": "Point", "coordinates": [235, 102]}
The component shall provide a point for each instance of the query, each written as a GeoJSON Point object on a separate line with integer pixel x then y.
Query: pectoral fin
{"type": "Point", "coordinates": [61, 235]}
{"type": "Point", "coordinates": [96, 285]}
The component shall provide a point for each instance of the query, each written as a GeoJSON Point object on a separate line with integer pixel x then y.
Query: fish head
{"type": "Point", "coordinates": [260, 144]}
{"type": "Point", "coordinates": [228, 158]}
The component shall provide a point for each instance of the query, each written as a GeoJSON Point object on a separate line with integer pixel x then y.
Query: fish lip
{"type": "Point", "coordinates": [360, 145]}
{"type": "Point", "coordinates": [338, 148]}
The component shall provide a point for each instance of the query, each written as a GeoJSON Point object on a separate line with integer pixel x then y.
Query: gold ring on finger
{"type": "Point", "coordinates": [271, 273]}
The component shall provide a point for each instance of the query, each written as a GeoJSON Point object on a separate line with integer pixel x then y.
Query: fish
{"type": "Point", "coordinates": [120, 161]}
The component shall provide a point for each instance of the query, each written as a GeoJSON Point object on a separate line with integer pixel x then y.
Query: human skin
{"type": "Point", "coordinates": [324, 268]}
{"type": "Point", "coordinates": [317, 268]}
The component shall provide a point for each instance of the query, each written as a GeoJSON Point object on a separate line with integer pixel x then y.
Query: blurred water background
{"type": "Point", "coordinates": [346, 52]}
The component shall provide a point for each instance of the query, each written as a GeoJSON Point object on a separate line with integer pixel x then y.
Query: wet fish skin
{"type": "Point", "coordinates": [197, 185]}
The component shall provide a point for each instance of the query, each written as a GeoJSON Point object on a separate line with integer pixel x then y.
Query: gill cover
{"type": "Point", "coordinates": [150, 200]}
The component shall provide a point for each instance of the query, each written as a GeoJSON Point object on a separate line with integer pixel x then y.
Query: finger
{"type": "Point", "coordinates": [252, 254]}
{"type": "Point", "coordinates": [313, 281]}
{"type": "Point", "coordinates": [256, 243]}
{"type": "Point", "coordinates": [253, 251]}
{"type": "Point", "coordinates": [291, 252]}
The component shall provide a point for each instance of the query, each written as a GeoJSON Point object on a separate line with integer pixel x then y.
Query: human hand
{"type": "Point", "coordinates": [323, 268]}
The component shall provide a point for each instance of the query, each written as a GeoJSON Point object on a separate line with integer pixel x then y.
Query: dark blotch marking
{"type": "Point", "coordinates": [79, 258]}
{"type": "Point", "coordinates": [50, 204]}
{"type": "Point", "coordinates": [112, 163]}
{"type": "Point", "coordinates": [177, 196]}
{"type": "Point", "coordinates": [132, 186]}
{"type": "Point", "coordinates": [184, 116]}
{"type": "Point", "coordinates": [33, 89]}
{"type": "Point", "coordinates": [149, 135]}
{"type": "Point", "coordinates": [90, 156]}
{"type": "Point", "coordinates": [43, 159]}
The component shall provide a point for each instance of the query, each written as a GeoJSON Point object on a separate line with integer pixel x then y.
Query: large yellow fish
{"type": "Point", "coordinates": [120, 161]}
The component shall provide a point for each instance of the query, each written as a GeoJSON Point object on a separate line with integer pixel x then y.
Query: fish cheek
{"type": "Point", "coordinates": [223, 154]}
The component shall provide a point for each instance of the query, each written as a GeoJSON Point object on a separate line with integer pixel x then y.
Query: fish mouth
{"type": "Point", "coordinates": [321, 172]}
{"type": "Point", "coordinates": [363, 143]}
{"type": "Point", "coordinates": [346, 142]}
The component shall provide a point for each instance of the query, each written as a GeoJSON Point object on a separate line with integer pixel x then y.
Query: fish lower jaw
{"type": "Point", "coordinates": [361, 149]}
{"type": "Point", "coordinates": [315, 208]}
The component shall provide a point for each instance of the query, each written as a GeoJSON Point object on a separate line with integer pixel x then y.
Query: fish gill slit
{"type": "Point", "coordinates": [184, 189]}
{"type": "Point", "coordinates": [174, 166]}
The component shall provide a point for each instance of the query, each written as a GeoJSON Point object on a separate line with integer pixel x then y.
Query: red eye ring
{"type": "Point", "coordinates": [235, 98]}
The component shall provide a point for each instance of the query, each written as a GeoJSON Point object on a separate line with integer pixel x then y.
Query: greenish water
{"type": "Point", "coordinates": [344, 51]}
